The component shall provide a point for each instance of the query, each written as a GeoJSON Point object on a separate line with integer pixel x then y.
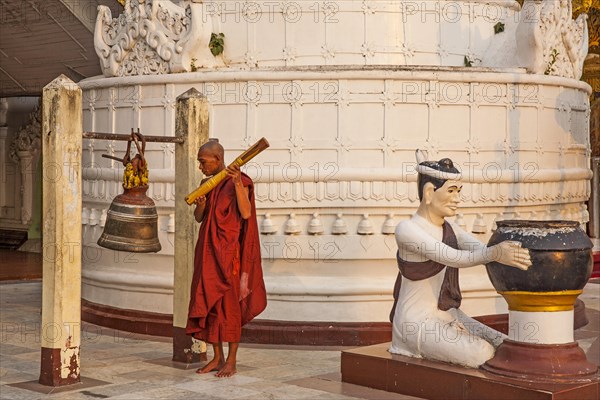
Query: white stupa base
{"type": "Point", "coordinates": [341, 162]}
{"type": "Point", "coordinates": [541, 327]}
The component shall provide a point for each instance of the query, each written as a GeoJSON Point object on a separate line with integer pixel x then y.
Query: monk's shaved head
{"type": "Point", "coordinates": [213, 148]}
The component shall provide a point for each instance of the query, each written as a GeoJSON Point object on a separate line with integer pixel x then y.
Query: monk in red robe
{"type": "Point", "coordinates": [227, 286]}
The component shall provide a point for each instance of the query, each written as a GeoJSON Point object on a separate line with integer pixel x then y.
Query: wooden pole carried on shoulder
{"type": "Point", "coordinates": [210, 184]}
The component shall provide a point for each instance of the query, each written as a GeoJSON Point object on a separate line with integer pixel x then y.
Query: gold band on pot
{"type": "Point", "coordinates": [541, 301]}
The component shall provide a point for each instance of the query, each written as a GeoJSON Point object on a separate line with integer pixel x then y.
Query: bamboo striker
{"type": "Point", "coordinates": [210, 184]}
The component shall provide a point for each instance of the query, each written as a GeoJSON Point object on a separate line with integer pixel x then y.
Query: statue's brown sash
{"type": "Point", "coordinates": [450, 296]}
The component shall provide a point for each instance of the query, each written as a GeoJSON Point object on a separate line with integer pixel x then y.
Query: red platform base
{"type": "Point", "coordinates": [373, 366]}
{"type": "Point", "coordinates": [542, 362]}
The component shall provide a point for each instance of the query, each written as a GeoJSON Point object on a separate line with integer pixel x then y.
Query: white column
{"type": "Point", "coordinates": [27, 171]}
{"type": "Point", "coordinates": [61, 210]}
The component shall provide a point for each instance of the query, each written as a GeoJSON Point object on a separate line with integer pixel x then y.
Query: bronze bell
{"type": "Point", "coordinates": [132, 221]}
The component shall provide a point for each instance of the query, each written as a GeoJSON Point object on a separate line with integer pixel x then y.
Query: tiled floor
{"type": "Point", "coordinates": [138, 367]}
{"type": "Point", "coordinates": [133, 366]}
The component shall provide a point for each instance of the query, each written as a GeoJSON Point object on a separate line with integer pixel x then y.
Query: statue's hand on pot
{"type": "Point", "coordinates": [511, 253]}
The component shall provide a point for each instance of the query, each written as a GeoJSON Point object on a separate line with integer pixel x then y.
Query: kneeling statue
{"type": "Point", "coordinates": [427, 320]}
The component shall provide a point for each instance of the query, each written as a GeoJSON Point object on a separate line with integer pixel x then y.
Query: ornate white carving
{"type": "Point", "coordinates": [103, 217]}
{"type": "Point", "coordinates": [507, 147]}
{"type": "Point", "coordinates": [266, 226]}
{"type": "Point", "coordinates": [295, 145]}
{"type": "Point", "coordinates": [28, 138]}
{"type": "Point", "coordinates": [168, 102]}
{"type": "Point", "coordinates": [459, 221]}
{"type": "Point", "coordinates": [23, 151]}
{"type": "Point", "coordinates": [473, 146]}
{"type": "Point", "coordinates": [250, 60]}
{"type": "Point", "coordinates": [380, 111]}
{"type": "Point", "coordinates": [327, 52]}
{"type": "Point", "coordinates": [407, 50]}
{"type": "Point", "coordinates": [289, 54]}
{"type": "Point", "coordinates": [85, 216]}
{"type": "Point", "coordinates": [560, 44]}
{"type": "Point", "coordinates": [479, 226]}
{"type": "Point", "coordinates": [292, 227]}
{"type": "Point", "coordinates": [171, 223]}
{"type": "Point", "coordinates": [142, 60]}
{"type": "Point", "coordinates": [365, 226]}
{"type": "Point", "coordinates": [112, 100]}
{"type": "Point", "coordinates": [389, 225]}
{"type": "Point", "coordinates": [543, 38]}
{"type": "Point", "coordinates": [315, 226]}
{"type": "Point", "coordinates": [26, 168]}
{"type": "Point", "coordinates": [367, 50]}
{"type": "Point", "coordinates": [110, 147]}
{"type": "Point", "coordinates": [368, 7]}
{"type": "Point", "coordinates": [153, 37]}
{"type": "Point", "coordinates": [339, 226]}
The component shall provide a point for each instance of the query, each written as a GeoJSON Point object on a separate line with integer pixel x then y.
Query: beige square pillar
{"type": "Point", "coordinates": [191, 122]}
{"type": "Point", "coordinates": [61, 213]}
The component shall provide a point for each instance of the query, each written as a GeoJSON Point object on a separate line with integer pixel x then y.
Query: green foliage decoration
{"type": "Point", "coordinates": [550, 67]}
{"type": "Point", "coordinates": [217, 43]}
{"type": "Point", "coordinates": [498, 28]}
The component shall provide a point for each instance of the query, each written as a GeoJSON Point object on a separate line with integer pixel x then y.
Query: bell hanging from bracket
{"type": "Point", "coordinates": [132, 221]}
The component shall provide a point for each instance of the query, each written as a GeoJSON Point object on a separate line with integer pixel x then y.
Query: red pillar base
{"type": "Point", "coordinates": [51, 369]}
{"type": "Point", "coordinates": [542, 362]}
{"type": "Point", "coordinates": [182, 348]}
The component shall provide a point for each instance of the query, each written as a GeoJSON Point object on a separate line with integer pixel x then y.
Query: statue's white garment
{"type": "Point", "coordinates": [420, 329]}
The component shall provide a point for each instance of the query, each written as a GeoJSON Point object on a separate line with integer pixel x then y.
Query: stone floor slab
{"type": "Point", "coordinates": [35, 386]}
{"type": "Point", "coordinates": [140, 367]}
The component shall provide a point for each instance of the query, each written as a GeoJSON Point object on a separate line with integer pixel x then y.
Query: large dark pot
{"type": "Point", "coordinates": [561, 255]}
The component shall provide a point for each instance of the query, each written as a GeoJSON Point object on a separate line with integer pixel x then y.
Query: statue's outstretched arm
{"type": "Point", "coordinates": [466, 241]}
{"type": "Point", "coordinates": [415, 244]}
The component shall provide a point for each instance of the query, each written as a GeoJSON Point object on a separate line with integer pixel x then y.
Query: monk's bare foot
{"type": "Point", "coordinates": [227, 370]}
{"type": "Point", "coordinates": [214, 365]}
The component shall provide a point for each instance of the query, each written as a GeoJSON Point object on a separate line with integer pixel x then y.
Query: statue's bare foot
{"type": "Point", "coordinates": [227, 370]}
{"type": "Point", "coordinates": [214, 365]}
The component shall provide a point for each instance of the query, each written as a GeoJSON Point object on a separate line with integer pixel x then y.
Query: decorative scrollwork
{"type": "Point", "coordinates": [29, 137]}
{"type": "Point", "coordinates": [143, 60]}
{"type": "Point", "coordinates": [564, 40]}
{"type": "Point", "coordinates": [542, 37]}
{"type": "Point", "coordinates": [153, 37]}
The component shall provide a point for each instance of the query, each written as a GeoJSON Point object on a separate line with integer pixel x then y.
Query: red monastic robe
{"type": "Point", "coordinates": [227, 286]}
